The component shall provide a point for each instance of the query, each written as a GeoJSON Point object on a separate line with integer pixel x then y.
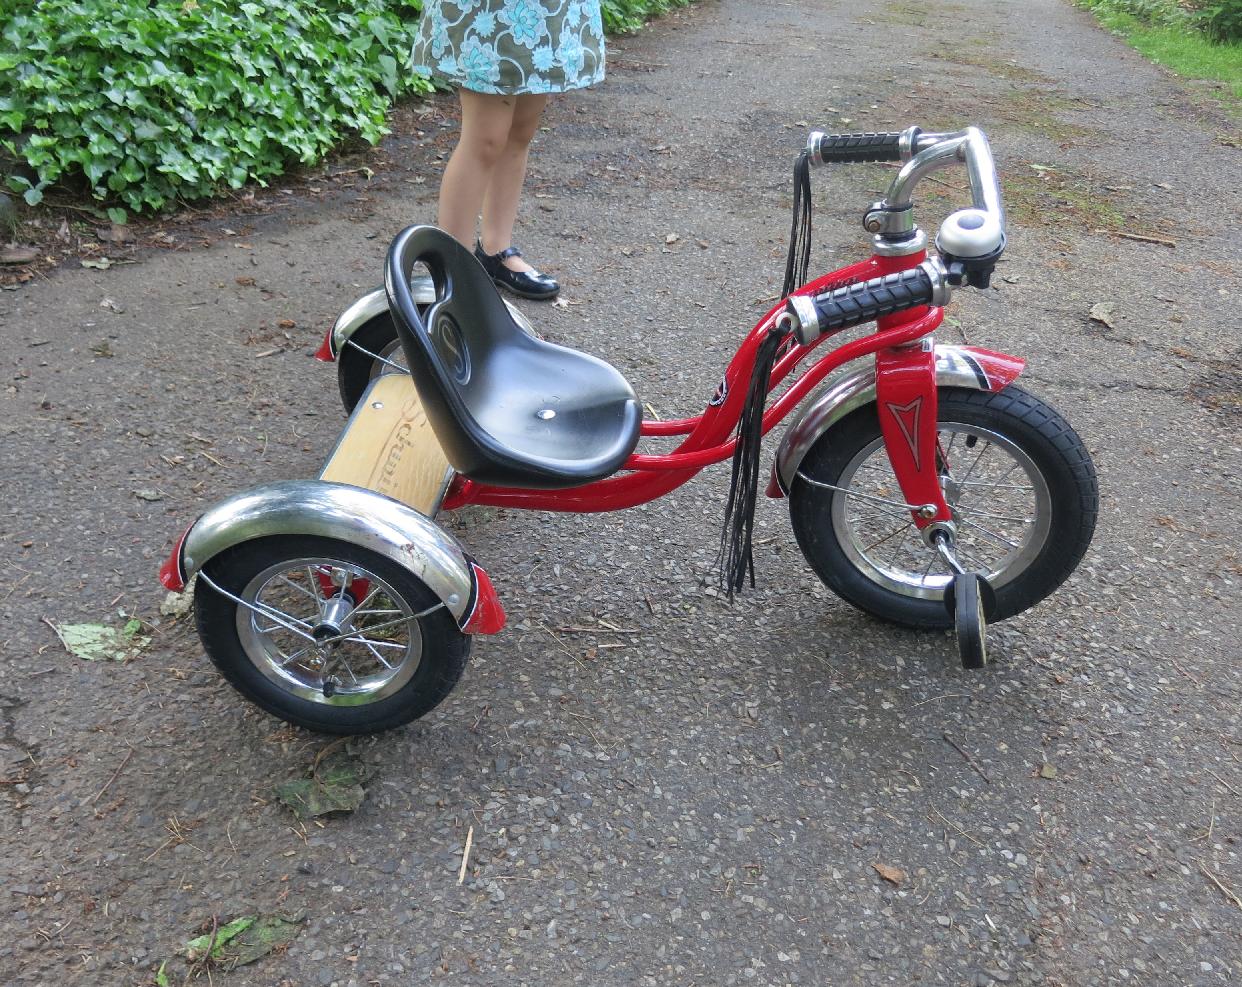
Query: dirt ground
{"type": "Point", "coordinates": [703, 796]}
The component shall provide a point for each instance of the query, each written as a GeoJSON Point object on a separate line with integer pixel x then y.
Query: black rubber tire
{"type": "Point", "coordinates": [353, 367]}
{"type": "Point", "coordinates": [1039, 431]}
{"type": "Point", "coordinates": [444, 654]}
{"type": "Point", "coordinates": [970, 622]}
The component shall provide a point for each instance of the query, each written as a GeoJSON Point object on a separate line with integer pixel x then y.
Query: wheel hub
{"type": "Point", "coordinates": [329, 632]}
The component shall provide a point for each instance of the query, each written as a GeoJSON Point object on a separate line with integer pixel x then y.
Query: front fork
{"type": "Point", "coordinates": [906, 402]}
{"type": "Point", "coordinates": [905, 389]}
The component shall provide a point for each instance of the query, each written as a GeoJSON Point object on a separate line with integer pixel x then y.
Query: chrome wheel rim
{"type": "Point", "coordinates": [391, 361]}
{"type": "Point", "coordinates": [335, 649]}
{"type": "Point", "coordinates": [999, 500]}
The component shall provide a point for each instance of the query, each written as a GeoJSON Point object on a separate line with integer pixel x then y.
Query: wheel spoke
{"type": "Point", "coordinates": [987, 531]}
{"type": "Point", "coordinates": [978, 459]}
{"type": "Point", "coordinates": [297, 588]}
{"type": "Point", "coordinates": [375, 590]}
{"type": "Point", "coordinates": [349, 669]}
{"type": "Point", "coordinates": [998, 486]}
{"type": "Point", "coordinates": [314, 581]}
{"type": "Point", "coordinates": [881, 541]}
{"type": "Point", "coordinates": [901, 544]}
{"type": "Point", "coordinates": [378, 656]}
{"type": "Point", "coordinates": [378, 642]}
{"type": "Point", "coordinates": [290, 659]}
{"type": "Point", "coordinates": [999, 517]}
{"type": "Point", "coordinates": [282, 619]}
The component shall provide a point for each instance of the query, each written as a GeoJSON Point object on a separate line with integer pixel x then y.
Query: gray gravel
{"type": "Point", "coordinates": [701, 799]}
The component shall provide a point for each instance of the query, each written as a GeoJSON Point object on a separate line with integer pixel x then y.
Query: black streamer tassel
{"type": "Point", "coordinates": [735, 559]}
{"type": "Point", "coordinates": [798, 263]}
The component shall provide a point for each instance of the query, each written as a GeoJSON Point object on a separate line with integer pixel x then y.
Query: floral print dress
{"type": "Point", "coordinates": [511, 46]}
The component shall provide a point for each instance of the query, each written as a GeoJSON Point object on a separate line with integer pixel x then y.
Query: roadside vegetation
{"type": "Point", "coordinates": [1200, 40]}
{"type": "Point", "coordinates": [142, 104]}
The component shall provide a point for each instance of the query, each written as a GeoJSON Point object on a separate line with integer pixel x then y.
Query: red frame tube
{"type": "Point", "coordinates": [709, 437]}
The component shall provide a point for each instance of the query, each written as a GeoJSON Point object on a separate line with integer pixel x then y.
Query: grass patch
{"type": "Point", "coordinates": [1055, 197]}
{"type": "Point", "coordinates": [1037, 112]}
{"type": "Point", "coordinates": [917, 14]}
{"type": "Point", "coordinates": [999, 68]}
{"type": "Point", "coordinates": [1184, 51]}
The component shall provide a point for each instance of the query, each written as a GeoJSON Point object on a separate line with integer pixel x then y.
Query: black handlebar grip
{"type": "Point", "coordinates": [857, 148]}
{"type": "Point", "coordinates": [859, 303]}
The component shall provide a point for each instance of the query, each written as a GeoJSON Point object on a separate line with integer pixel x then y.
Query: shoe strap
{"type": "Point", "coordinates": [507, 253]}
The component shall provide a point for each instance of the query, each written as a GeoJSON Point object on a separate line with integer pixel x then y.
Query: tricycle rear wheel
{"type": "Point", "coordinates": [371, 351]}
{"type": "Point", "coordinates": [327, 635]}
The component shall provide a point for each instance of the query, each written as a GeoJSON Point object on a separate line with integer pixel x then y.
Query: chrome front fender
{"type": "Point", "coordinates": [346, 513]}
{"type": "Point", "coordinates": [956, 366]}
{"type": "Point", "coordinates": [375, 303]}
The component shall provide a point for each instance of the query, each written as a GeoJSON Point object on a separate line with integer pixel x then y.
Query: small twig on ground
{"type": "Point", "coordinates": [948, 695]}
{"type": "Point", "coordinates": [56, 631]}
{"type": "Point", "coordinates": [559, 643]}
{"type": "Point", "coordinates": [598, 630]}
{"type": "Point", "coordinates": [324, 752]}
{"type": "Point", "coordinates": [1161, 241]}
{"type": "Point", "coordinates": [1186, 673]}
{"type": "Point", "coordinates": [937, 181]}
{"type": "Point", "coordinates": [1207, 834]}
{"type": "Point", "coordinates": [115, 773]}
{"type": "Point", "coordinates": [465, 855]}
{"type": "Point", "coordinates": [1224, 783]}
{"type": "Point", "coordinates": [352, 171]}
{"type": "Point", "coordinates": [969, 760]}
{"type": "Point", "coordinates": [1224, 890]}
{"type": "Point", "coordinates": [953, 826]}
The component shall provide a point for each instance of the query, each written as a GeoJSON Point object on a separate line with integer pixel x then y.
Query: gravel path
{"type": "Point", "coordinates": [704, 797]}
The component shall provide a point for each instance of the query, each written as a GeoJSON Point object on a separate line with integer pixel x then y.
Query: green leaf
{"type": "Point", "coordinates": [196, 949]}
{"type": "Point", "coordinates": [335, 785]}
{"type": "Point", "coordinates": [33, 196]}
{"type": "Point", "coordinates": [118, 216]}
{"type": "Point", "coordinates": [99, 642]}
{"type": "Point", "coordinates": [243, 940]}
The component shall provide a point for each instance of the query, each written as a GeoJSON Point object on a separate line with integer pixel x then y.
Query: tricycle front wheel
{"type": "Point", "coordinates": [327, 635]}
{"type": "Point", "coordinates": [1019, 481]}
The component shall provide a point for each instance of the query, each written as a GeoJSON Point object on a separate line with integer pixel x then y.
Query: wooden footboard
{"type": "Point", "coordinates": [389, 447]}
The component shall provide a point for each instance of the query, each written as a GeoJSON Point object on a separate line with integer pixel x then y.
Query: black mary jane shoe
{"type": "Point", "coordinates": [527, 284]}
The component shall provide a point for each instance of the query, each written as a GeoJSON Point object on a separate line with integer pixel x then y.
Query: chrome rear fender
{"type": "Point", "coordinates": [375, 303]}
{"type": "Point", "coordinates": [349, 514]}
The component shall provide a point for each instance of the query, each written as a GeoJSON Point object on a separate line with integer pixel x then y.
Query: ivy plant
{"type": "Point", "coordinates": [154, 101]}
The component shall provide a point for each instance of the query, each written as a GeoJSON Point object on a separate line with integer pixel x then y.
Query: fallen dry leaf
{"type": "Point", "coordinates": [894, 875]}
{"type": "Point", "coordinates": [1102, 312]}
{"type": "Point", "coordinates": [13, 254]}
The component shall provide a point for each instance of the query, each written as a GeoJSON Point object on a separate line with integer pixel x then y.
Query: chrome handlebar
{"type": "Point", "coordinates": [968, 234]}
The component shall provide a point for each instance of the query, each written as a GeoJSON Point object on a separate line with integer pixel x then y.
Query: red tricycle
{"type": "Point", "coordinates": [925, 487]}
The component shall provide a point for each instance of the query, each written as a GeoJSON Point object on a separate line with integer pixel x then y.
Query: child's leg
{"type": "Point", "coordinates": [486, 121]}
{"type": "Point", "coordinates": [500, 204]}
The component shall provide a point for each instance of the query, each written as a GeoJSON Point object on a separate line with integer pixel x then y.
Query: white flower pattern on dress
{"type": "Point", "coordinates": [512, 46]}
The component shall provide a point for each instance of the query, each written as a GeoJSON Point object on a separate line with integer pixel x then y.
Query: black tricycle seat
{"type": "Point", "coordinates": [508, 409]}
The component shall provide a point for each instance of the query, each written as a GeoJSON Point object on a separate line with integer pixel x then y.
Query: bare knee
{"type": "Point", "coordinates": [522, 132]}
{"type": "Point", "coordinates": [526, 117]}
{"type": "Point", "coordinates": [485, 148]}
